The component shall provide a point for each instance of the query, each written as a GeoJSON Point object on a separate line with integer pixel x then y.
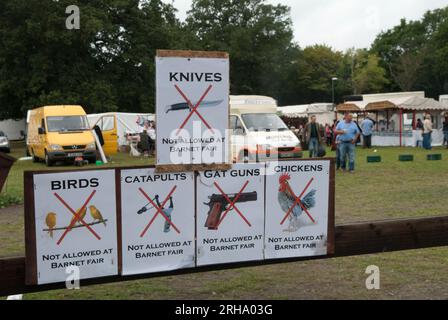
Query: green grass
{"type": "Point", "coordinates": [14, 183]}
{"type": "Point", "coordinates": [386, 190]}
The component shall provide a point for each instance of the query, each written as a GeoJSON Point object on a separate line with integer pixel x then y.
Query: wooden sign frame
{"type": "Point", "coordinates": [31, 272]}
{"type": "Point", "coordinates": [6, 163]}
{"type": "Point", "coordinates": [167, 168]}
{"type": "Point", "coordinates": [331, 204]}
{"type": "Point", "coordinates": [30, 226]}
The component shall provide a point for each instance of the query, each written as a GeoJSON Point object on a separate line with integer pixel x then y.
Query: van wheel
{"type": "Point", "coordinates": [92, 160]}
{"type": "Point", "coordinates": [48, 162]}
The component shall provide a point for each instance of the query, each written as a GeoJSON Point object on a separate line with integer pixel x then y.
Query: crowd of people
{"type": "Point", "coordinates": [344, 135]}
{"type": "Point", "coordinates": [425, 131]}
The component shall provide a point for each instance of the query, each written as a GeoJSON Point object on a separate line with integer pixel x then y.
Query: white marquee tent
{"type": "Point", "coordinates": [127, 123]}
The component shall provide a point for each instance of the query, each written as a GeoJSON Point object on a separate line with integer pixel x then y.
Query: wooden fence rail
{"type": "Point", "coordinates": [351, 240]}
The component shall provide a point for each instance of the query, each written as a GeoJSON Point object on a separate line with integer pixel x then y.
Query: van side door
{"type": "Point", "coordinates": [42, 138]}
{"type": "Point", "coordinates": [108, 126]}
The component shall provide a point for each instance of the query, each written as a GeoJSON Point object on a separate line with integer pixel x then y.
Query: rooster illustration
{"type": "Point", "coordinates": [286, 200]}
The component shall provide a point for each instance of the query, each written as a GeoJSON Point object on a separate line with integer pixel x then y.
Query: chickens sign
{"type": "Point", "coordinates": [74, 225]}
{"type": "Point", "coordinates": [297, 213]}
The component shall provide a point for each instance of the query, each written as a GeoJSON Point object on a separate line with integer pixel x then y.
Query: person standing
{"type": "Point", "coordinates": [427, 131]}
{"type": "Point", "coordinates": [328, 134]}
{"type": "Point", "coordinates": [419, 135]}
{"type": "Point", "coordinates": [152, 137]}
{"type": "Point", "coordinates": [336, 144]}
{"type": "Point", "coordinates": [313, 137]}
{"type": "Point", "coordinates": [367, 131]}
{"type": "Point", "coordinates": [445, 131]}
{"type": "Point", "coordinates": [349, 134]}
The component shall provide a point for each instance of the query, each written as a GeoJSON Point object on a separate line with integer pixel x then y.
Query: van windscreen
{"type": "Point", "coordinates": [67, 123]}
{"type": "Point", "coordinates": [263, 122]}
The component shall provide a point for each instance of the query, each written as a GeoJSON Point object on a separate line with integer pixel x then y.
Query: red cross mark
{"type": "Point", "coordinates": [194, 109]}
{"type": "Point", "coordinates": [299, 202]}
{"type": "Point", "coordinates": [76, 217]}
{"type": "Point", "coordinates": [232, 204]}
{"type": "Point", "coordinates": [159, 211]}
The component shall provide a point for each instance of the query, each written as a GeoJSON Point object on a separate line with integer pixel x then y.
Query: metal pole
{"type": "Point", "coordinates": [401, 127]}
{"type": "Point", "coordinates": [332, 90]}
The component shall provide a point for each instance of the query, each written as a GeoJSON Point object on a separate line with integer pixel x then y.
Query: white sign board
{"type": "Point", "coordinates": [230, 215]}
{"type": "Point", "coordinates": [298, 209]}
{"type": "Point", "coordinates": [192, 108]}
{"type": "Point", "coordinates": [157, 221]}
{"type": "Point", "coordinates": [75, 225]}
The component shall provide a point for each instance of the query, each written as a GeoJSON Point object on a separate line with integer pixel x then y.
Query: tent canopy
{"type": "Point", "coordinates": [352, 106]}
{"type": "Point", "coordinates": [408, 103]}
{"type": "Point", "coordinates": [299, 111]}
{"type": "Point", "coordinates": [305, 110]}
{"type": "Point", "coordinates": [125, 122]}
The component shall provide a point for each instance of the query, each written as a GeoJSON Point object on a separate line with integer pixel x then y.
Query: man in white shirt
{"type": "Point", "coordinates": [427, 131]}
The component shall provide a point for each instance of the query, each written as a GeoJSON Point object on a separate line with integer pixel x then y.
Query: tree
{"type": "Point", "coordinates": [315, 67]}
{"type": "Point", "coordinates": [367, 76]}
{"type": "Point", "coordinates": [410, 52]}
{"type": "Point", "coordinates": [257, 35]}
{"type": "Point", "coordinates": [107, 65]}
{"type": "Point", "coordinates": [402, 49]}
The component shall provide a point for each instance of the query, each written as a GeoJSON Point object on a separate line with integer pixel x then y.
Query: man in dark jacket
{"type": "Point", "coordinates": [313, 137]}
{"type": "Point", "coordinates": [445, 131]}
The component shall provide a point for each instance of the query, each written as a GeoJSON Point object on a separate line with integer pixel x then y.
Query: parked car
{"type": "Point", "coordinates": [4, 143]}
{"type": "Point", "coordinates": [60, 133]}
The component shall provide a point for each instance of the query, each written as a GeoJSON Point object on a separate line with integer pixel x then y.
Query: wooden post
{"type": "Point", "coordinates": [377, 123]}
{"type": "Point", "coordinates": [401, 127]}
{"type": "Point", "coordinates": [414, 122]}
{"type": "Point", "coordinates": [387, 120]}
{"type": "Point", "coordinates": [6, 163]}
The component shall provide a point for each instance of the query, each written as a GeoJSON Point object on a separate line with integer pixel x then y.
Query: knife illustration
{"type": "Point", "coordinates": [185, 106]}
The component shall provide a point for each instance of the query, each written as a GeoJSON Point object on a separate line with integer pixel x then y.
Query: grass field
{"type": "Point", "coordinates": [386, 190]}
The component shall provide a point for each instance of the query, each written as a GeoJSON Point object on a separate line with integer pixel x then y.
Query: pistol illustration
{"type": "Point", "coordinates": [218, 204]}
{"type": "Point", "coordinates": [185, 106]}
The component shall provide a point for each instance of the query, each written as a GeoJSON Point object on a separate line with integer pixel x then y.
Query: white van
{"type": "Point", "coordinates": [258, 133]}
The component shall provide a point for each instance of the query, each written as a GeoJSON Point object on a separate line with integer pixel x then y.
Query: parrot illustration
{"type": "Point", "coordinates": [286, 200]}
{"type": "Point", "coordinates": [96, 214]}
{"type": "Point", "coordinates": [81, 217]}
{"type": "Point", "coordinates": [50, 220]}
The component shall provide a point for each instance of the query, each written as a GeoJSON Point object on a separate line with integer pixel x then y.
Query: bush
{"type": "Point", "coordinates": [8, 200]}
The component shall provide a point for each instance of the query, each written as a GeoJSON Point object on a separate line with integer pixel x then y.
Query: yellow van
{"type": "Point", "coordinates": [60, 133]}
{"type": "Point", "coordinates": [258, 133]}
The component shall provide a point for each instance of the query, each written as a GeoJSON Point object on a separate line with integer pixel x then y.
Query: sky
{"type": "Point", "coordinates": [343, 24]}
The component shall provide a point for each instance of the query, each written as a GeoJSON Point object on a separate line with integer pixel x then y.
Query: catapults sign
{"type": "Point", "coordinates": [128, 221]}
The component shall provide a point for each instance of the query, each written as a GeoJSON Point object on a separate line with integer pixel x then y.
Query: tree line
{"type": "Point", "coordinates": [108, 64]}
